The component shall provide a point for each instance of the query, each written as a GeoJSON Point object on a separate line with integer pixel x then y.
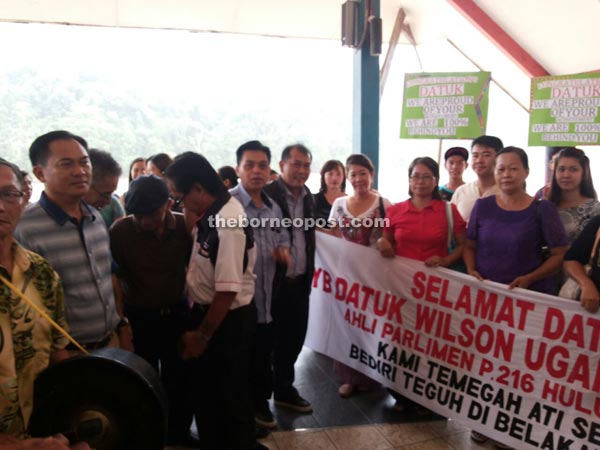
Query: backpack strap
{"type": "Point", "coordinates": [249, 244]}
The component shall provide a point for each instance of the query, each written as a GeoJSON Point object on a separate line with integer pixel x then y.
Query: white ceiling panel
{"type": "Point", "coordinates": [561, 35]}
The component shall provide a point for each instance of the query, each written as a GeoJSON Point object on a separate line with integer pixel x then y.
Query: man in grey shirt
{"type": "Point", "coordinates": [72, 236]}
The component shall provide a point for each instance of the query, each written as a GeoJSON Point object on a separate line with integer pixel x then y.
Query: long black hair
{"type": "Point", "coordinates": [135, 161]}
{"type": "Point", "coordinates": [329, 166]}
{"type": "Point", "coordinates": [586, 187]}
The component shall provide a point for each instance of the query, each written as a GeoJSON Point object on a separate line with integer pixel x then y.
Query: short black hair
{"type": "Point", "coordinates": [434, 168]}
{"type": "Point", "coordinates": [18, 173]}
{"type": "Point", "coordinates": [103, 165]}
{"type": "Point", "coordinates": [189, 168]}
{"type": "Point", "coordinates": [488, 141]}
{"type": "Point", "coordinates": [228, 173]}
{"type": "Point", "coordinates": [517, 151]}
{"type": "Point", "coordinates": [39, 151]}
{"type": "Point", "coordinates": [285, 154]}
{"type": "Point", "coordinates": [359, 159]}
{"type": "Point", "coordinates": [252, 146]}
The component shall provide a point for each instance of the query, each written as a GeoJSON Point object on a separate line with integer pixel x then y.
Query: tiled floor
{"type": "Point", "coordinates": [439, 435]}
{"type": "Point", "coordinates": [316, 382]}
{"type": "Point", "coordinates": [363, 422]}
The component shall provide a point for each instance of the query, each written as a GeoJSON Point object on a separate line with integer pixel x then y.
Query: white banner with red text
{"type": "Point", "coordinates": [518, 366]}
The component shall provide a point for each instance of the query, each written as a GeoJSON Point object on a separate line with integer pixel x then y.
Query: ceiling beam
{"type": "Point", "coordinates": [411, 39]}
{"type": "Point", "coordinates": [391, 48]}
{"type": "Point", "coordinates": [496, 34]}
{"type": "Point", "coordinates": [506, 91]}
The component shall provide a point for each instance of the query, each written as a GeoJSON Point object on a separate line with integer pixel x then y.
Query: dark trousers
{"type": "Point", "coordinates": [222, 393]}
{"type": "Point", "coordinates": [262, 362]}
{"type": "Point", "coordinates": [290, 316]}
{"type": "Point", "coordinates": [156, 333]}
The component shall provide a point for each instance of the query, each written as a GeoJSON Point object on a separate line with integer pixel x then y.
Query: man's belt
{"type": "Point", "coordinates": [94, 345]}
{"type": "Point", "coordinates": [298, 279]}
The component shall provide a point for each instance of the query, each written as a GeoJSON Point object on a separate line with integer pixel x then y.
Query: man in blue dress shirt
{"type": "Point", "coordinates": [272, 243]}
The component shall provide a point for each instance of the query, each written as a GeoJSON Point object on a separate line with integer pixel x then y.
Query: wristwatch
{"type": "Point", "coordinates": [124, 322]}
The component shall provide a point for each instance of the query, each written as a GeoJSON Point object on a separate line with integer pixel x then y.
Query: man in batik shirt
{"type": "Point", "coordinates": [28, 342]}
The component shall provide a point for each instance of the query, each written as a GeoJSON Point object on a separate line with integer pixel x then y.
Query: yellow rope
{"type": "Point", "coordinates": [43, 313]}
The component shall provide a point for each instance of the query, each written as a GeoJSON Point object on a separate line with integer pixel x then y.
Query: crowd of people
{"type": "Point", "coordinates": [221, 311]}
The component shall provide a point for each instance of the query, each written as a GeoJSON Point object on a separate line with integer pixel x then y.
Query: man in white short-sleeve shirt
{"type": "Point", "coordinates": [220, 283]}
{"type": "Point", "coordinates": [215, 269]}
{"type": "Point", "coordinates": [483, 155]}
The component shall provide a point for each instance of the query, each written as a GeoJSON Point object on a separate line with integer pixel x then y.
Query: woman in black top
{"type": "Point", "coordinates": [578, 256]}
{"type": "Point", "coordinates": [333, 185]}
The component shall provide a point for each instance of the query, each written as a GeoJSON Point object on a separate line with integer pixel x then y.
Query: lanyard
{"type": "Point", "coordinates": [43, 313]}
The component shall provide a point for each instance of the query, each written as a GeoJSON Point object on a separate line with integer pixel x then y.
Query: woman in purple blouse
{"type": "Point", "coordinates": [507, 232]}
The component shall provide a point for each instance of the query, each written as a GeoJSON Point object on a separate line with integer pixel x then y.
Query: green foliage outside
{"type": "Point", "coordinates": [131, 110]}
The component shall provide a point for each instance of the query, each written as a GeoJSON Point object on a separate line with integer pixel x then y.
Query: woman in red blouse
{"type": "Point", "coordinates": [418, 227]}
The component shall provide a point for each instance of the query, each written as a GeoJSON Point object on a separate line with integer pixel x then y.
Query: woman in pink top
{"type": "Point", "coordinates": [356, 220]}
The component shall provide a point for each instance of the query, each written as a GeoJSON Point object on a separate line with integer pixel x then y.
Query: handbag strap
{"type": "Point", "coordinates": [381, 207]}
{"type": "Point", "coordinates": [540, 221]}
{"type": "Point", "coordinates": [450, 221]}
{"type": "Point", "coordinates": [595, 247]}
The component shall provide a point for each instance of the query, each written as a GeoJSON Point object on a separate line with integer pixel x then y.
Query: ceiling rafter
{"type": "Point", "coordinates": [398, 26]}
{"type": "Point", "coordinates": [497, 35]}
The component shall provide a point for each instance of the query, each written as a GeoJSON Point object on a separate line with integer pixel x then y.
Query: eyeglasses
{"type": "Point", "coordinates": [11, 197]}
{"type": "Point", "coordinates": [104, 195]}
{"type": "Point", "coordinates": [418, 176]}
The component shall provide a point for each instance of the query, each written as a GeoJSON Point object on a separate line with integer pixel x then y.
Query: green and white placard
{"type": "Point", "coordinates": [449, 105]}
{"type": "Point", "coordinates": [564, 110]}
